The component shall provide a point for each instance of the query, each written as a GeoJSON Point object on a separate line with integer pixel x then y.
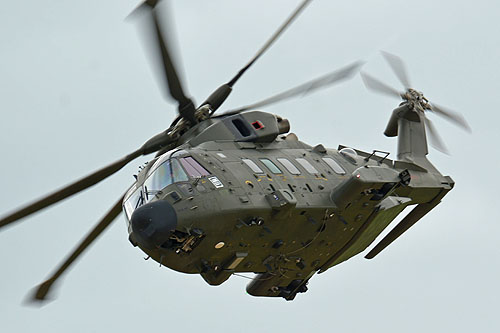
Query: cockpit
{"type": "Point", "coordinates": [172, 167]}
{"type": "Point", "coordinates": [159, 177]}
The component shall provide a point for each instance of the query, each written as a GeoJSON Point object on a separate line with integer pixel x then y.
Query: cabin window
{"type": "Point", "coordinates": [251, 164]}
{"type": "Point", "coordinates": [167, 173]}
{"type": "Point", "coordinates": [132, 203]}
{"type": "Point", "coordinates": [270, 165]}
{"type": "Point", "coordinates": [289, 166]}
{"type": "Point", "coordinates": [193, 168]}
{"type": "Point", "coordinates": [308, 166]}
{"type": "Point", "coordinates": [334, 165]}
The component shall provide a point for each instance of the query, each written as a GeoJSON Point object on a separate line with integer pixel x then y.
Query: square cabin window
{"type": "Point", "coordinates": [289, 166]}
{"type": "Point", "coordinates": [334, 165]}
{"type": "Point", "coordinates": [308, 166]}
{"type": "Point", "coordinates": [251, 164]}
{"type": "Point", "coordinates": [270, 165]}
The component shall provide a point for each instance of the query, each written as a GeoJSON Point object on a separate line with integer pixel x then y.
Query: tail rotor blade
{"type": "Point", "coordinates": [44, 288]}
{"type": "Point", "coordinates": [303, 89]}
{"type": "Point", "coordinates": [398, 68]}
{"type": "Point", "coordinates": [378, 86]}
{"type": "Point", "coordinates": [434, 138]}
{"type": "Point", "coordinates": [452, 116]}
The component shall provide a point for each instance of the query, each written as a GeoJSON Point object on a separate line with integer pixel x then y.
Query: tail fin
{"type": "Point", "coordinates": [408, 124]}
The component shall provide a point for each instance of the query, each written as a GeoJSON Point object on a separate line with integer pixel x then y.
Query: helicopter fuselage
{"type": "Point", "coordinates": [274, 206]}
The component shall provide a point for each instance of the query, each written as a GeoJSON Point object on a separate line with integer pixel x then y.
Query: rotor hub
{"type": "Point", "coordinates": [416, 99]}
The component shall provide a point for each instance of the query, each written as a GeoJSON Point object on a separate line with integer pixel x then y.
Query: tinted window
{"type": "Point", "coordinates": [193, 168]}
{"type": "Point", "coordinates": [251, 164]}
{"type": "Point", "coordinates": [334, 165]}
{"type": "Point", "coordinates": [270, 165]}
{"type": "Point", "coordinates": [168, 172]}
{"type": "Point", "coordinates": [308, 166]}
{"type": "Point", "coordinates": [178, 174]}
{"type": "Point", "coordinates": [289, 166]}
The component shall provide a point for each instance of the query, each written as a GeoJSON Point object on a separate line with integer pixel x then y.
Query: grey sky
{"type": "Point", "coordinates": [77, 92]}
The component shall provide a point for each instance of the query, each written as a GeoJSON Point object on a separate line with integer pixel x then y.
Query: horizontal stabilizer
{"type": "Point", "coordinates": [416, 214]}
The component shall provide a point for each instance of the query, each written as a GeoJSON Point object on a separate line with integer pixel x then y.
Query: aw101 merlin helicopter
{"type": "Point", "coordinates": [235, 193]}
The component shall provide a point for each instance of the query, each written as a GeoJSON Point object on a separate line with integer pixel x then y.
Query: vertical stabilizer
{"type": "Point", "coordinates": [408, 124]}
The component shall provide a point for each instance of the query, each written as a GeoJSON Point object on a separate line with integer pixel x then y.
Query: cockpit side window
{"type": "Point", "coordinates": [167, 173]}
{"type": "Point", "coordinates": [178, 174]}
{"type": "Point", "coordinates": [193, 168]}
{"type": "Point", "coordinates": [132, 203]}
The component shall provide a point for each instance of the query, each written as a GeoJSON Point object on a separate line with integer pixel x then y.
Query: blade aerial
{"type": "Point", "coordinates": [399, 68]}
{"type": "Point", "coordinates": [218, 97]}
{"type": "Point", "coordinates": [173, 83]}
{"type": "Point", "coordinates": [378, 86]}
{"type": "Point", "coordinates": [44, 288]}
{"type": "Point", "coordinates": [303, 89]}
{"type": "Point", "coordinates": [154, 144]}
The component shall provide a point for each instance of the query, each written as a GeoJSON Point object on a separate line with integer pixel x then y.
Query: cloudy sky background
{"type": "Point", "coordinates": [77, 92]}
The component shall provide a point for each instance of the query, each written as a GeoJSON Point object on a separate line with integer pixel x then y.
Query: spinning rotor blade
{"type": "Point", "coordinates": [378, 86]}
{"type": "Point", "coordinates": [186, 107]}
{"type": "Point", "coordinates": [434, 138]}
{"type": "Point", "coordinates": [454, 117]}
{"type": "Point", "coordinates": [303, 89]}
{"type": "Point", "coordinates": [399, 68]}
{"type": "Point", "coordinates": [271, 40]}
{"type": "Point", "coordinates": [218, 97]}
{"type": "Point", "coordinates": [43, 289]}
{"type": "Point", "coordinates": [156, 143]}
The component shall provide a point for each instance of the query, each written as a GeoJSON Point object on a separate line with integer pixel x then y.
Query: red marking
{"type": "Point", "coordinates": [257, 125]}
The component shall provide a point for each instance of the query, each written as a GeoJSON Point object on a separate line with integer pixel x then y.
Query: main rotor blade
{"type": "Point", "coordinates": [399, 68]}
{"type": "Point", "coordinates": [452, 116]}
{"type": "Point", "coordinates": [378, 86]}
{"type": "Point", "coordinates": [218, 97]}
{"type": "Point", "coordinates": [154, 144]}
{"type": "Point", "coordinates": [434, 138]}
{"type": "Point", "coordinates": [43, 289]}
{"type": "Point", "coordinates": [270, 41]}
{"type": "Point", "coordinates": [173, 84]}
{"type": "Point", "coordinates": [303, 89]}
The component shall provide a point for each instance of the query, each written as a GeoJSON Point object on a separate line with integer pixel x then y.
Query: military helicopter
{"type": "Point", "coordinates": [237, 193]}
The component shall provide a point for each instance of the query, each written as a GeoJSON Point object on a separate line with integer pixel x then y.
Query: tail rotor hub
{"type": "Point", "coordinates": [416, 99]}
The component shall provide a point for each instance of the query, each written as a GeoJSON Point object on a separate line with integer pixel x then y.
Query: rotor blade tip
{"type": "Point", "coordinates": [39, 296]}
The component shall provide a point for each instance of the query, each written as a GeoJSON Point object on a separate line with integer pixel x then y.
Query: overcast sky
{"type": "Point", "coordinates": [77, 92]}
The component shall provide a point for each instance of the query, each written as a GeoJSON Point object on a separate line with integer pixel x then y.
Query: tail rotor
{"type": "Point", "coordinates": [413, 101]}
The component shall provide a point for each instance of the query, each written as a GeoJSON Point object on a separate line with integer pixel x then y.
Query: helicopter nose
{"type": "Point", "coordinates": [153, 223]}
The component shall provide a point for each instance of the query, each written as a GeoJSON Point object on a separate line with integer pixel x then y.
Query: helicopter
{"type": "Point", "coordinates": [236, 192]}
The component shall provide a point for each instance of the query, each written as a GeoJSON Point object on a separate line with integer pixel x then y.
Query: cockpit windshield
{"type": "Point", "coordinates": [165, 174]}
